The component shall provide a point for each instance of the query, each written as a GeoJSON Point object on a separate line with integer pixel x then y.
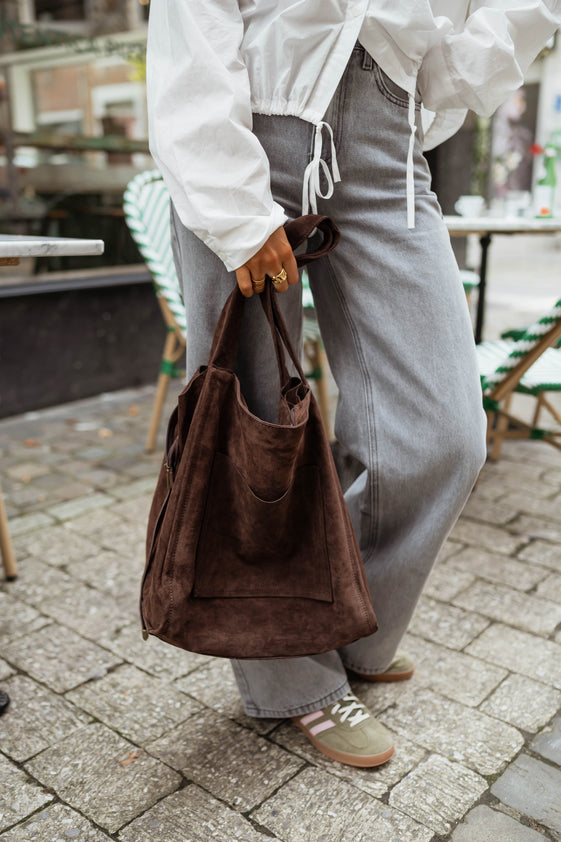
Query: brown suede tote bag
{"type": "Point", "coordinates": [250, 548]}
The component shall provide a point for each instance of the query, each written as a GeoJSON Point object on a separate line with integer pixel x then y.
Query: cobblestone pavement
{"type": "Point", "coordinates": [110, 737]}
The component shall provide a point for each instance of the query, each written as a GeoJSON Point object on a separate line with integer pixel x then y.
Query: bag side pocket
{"type": "Point", "coordinates": [250, 547]}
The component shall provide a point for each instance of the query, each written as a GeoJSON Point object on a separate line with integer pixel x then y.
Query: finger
{"type": "Point", "coordinates": [243, 277]}
{"type": "Point", "coordinates": [291, 269]}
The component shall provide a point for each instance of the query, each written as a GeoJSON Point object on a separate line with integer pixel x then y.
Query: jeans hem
{"type": "Point", "coordinates": [363, 670]}
{"type": "Point", "coordinates": [300, 710]}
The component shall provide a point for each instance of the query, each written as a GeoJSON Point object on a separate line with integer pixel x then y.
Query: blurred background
{"type": "Point", "coordinates": [73, 132]}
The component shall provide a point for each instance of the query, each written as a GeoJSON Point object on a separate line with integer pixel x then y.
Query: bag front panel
{"type": "Point", "coordinates": [262, 548]}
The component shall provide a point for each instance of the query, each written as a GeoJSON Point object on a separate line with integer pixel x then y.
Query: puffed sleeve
{"type": "Point", "coordinates": [479, 66]}
{"type": "Point", "coordinates": [200, 127]}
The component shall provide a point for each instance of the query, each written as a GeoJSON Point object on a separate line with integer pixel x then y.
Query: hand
{"type": "Point", "coordinates": [273, 256]}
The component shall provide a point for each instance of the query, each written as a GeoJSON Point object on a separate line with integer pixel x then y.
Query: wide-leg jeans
{"type": "Point", "coordinates": [397, 332]}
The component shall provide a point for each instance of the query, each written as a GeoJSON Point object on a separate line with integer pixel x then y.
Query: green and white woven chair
{"type": "Point", "coordinates": [529, 366]}
{"type": "Point", "coordinates": [146, 207]}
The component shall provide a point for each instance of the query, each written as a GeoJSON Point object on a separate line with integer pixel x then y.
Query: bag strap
{"type": "Point", "coordinates": [227, 334]}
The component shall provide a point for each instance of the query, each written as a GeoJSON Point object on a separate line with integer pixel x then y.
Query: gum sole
{"type": "Point", "coordinates": [348, 759]}
{"type": "Point", "coordinates": [386, 676]}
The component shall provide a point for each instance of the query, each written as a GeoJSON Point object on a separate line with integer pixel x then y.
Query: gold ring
{"type": "Point", "coordinates": [258, 286]}
{"type": "Point", "coordinates": [280, 277]}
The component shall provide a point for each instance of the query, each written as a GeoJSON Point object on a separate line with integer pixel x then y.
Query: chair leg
{"type": "Point", "coordinates": [539, 407]}
{"type": "Point", "coordinates": [499, 432]}
{"type": "Point", "coordinates": [159, 398]}
{"type": "Point", "coordinates": [8, 557]}
{"type": "Point", "coordinates": [172, 350]}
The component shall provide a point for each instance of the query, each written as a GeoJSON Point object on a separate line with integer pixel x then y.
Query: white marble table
{"type": "Point", "coordinates": [485, 227]}
{"type": "Point", "coordinates": [13, 247]}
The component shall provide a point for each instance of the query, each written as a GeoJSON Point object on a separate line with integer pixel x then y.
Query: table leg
{"type": "Point", "coordinates": [485, 242]}
{"type": "Point", "coordinates": [6, 549]}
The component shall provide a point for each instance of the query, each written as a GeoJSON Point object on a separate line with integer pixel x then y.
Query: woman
{"type": "Point", "coordinates": [260, 110]}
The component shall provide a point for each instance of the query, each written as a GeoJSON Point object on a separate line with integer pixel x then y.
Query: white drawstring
{"type": "Point", "coordinates": [312, 175]}
{"type": "Point", "coordinates": [311, 188]}
{"type": "Point", "coordinates": [410, 168]}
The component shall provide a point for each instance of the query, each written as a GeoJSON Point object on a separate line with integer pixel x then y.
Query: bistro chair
{"type": "Point", "coordinates": [530, 366]}
{"type": "Point", "coordinates": [146, 207]}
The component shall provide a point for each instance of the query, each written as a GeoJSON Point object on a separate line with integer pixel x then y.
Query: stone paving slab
{"type": "Point", "coordinates": [99, 525]}
{"type": "Point", "coordinates": [548, 743]}
{"type": "Point", "coordinates": [194, 815]}
{"type": "Point", "coordinates": [137, 705]}
{"type": "Point", "coordinates": [125, 538]}
{"type": "Point", "coordinates": [36, 718]}
{"type": "Point", "coordinates": [107, 778]}
{"type": "Point", "coordinates": [533, 527]}
{"type": "Point", "coordinates": [520, 652]}
{"type": "Point", "coordinates": [316, 806]}
{"type": "Point", "coordinates": [51, 545]}
{"type": "Point", "coordinates": [18, 619]}
{"type": "Point", "coordinates": [523, 702]}
{"type": "Point", "coordinates": [37, 582]}
{"type": "Point", "coordinates": [542, 553]}
{"type": "Point", "coordinates": [489, 537]}
{"type": "Point", "coordinates": [482, 824]}
{"type": "Point", "coordinates": [79, 506]}
{"type": "Point", "coordinates": [550, 587]}
{"type": "Point", "coordinates": [438, 793]}
{"type": "Point", "coordinates": [456, 675]}
{"type": "Point", "coordinates": [152, 655]}
{"type": "Point", "coordinates": [495, 568]}
{"type": "Point", "coordinates": [19, 795]}
{"type": "Point", "coordinates": [90, 612]}
{"type": "Point", "coordinates": [533, 788]}
{"type": "Point", "coordinates": [27, 523]}
{"type": "Point", "coordinates": [491, 512]}
{"type": "Point", "coordinates": [232, 763]}
{"type": "Point", "coordinates": [528, 505]}
{"type": "Point", "coordinates": [59, 657]}
{"type": "Point", "coordinates": [117, 574]}
{"type": "Point", "coordinates": [462, 734]}
{"type": "Point", "coordinates": [5, 670]}
{"type": "Point", "coordinates": [446, 624]}
{"type": "Point", "coordinates": [57, 823]}
{"type": "Point", "coordinates": [446, 581]}
{"type": "Point", "coordinates": [527, 612]}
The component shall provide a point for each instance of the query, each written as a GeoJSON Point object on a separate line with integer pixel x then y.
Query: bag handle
{"type": "Point", "coordinates": [297, 232]}
{"type": "Point", "coordinates": [227, 334]}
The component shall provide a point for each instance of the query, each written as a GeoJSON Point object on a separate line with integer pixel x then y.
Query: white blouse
{"type": "Point", "coordinates": [212, 64]}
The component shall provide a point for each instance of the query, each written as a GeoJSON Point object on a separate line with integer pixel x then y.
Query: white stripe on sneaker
{"type": "Point", "coordinates": [311, 717]}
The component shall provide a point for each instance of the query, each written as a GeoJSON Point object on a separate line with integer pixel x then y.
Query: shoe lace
{"type": "Point", "coordinates": [349, 708]}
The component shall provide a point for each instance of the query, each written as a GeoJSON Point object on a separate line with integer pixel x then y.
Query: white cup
{"type": "Point", "coordinates": [470, 205]}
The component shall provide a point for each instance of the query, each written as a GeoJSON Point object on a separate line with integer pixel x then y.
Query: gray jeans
{"type": "Point", "coordinates": [395, 324]}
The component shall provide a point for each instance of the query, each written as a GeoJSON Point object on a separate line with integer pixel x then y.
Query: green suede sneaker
{"type": "Point", "coordinates": [401, 668]}
{"type": "Point", "coordinates": [347, 732]}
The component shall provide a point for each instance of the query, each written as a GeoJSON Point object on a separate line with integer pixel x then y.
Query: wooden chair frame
{"type": "Point", "coordinates": [501, 424]}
